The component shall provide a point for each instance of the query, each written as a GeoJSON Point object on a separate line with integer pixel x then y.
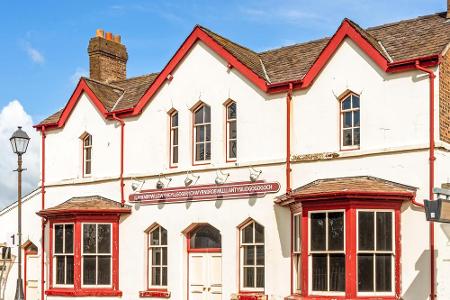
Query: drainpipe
{"type": "Point", "coordinates": [122, 135]}
{"type": "Point", "coordinates": [288, 139]}
{"type": "Point", "coordinates": [43, 221]}
{"type": "Point", "coordinates": [432, 158]}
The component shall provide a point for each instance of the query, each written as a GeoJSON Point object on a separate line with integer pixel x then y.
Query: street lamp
{"type": "Point", "coordinates": [19, 142]}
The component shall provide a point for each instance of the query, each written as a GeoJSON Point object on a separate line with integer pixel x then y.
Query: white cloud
{"type": "Point", "coordinates": [11, 116]}
{"type": "Point", "coordinates": [79, 72]}
{"type": "Point", "coordinates": [34, 54]}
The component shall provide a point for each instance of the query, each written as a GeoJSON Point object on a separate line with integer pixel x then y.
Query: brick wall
{"type": "Point", "coordinates": [444, 98]}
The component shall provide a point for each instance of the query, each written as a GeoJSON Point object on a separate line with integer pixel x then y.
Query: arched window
{"type": "Point", "coordinates": [252, 256]}
{"type": "Point", "coordinates": [350, 122]}
{"type": "Point", "coordinates": [173, 138]}
{"type": "Point", "coordinates": [231, 131]}
{"type": "Point", "coordinates": [87, 155]}
{"type": "Point", "coordinates": [205, 236]}
{"type": "Point", "coordinates": [157, 257]}
{"type": "Point", "coordinates": [202, 133]}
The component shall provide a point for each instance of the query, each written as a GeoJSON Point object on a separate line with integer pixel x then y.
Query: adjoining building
{"type": "Point", "coordinates": [294, 173]}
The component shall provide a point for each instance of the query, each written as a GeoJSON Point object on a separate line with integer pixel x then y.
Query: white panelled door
{"type": "Point", "coordinates": [32, 283]}
{"type": "Point", "coordinates": [205, 276]}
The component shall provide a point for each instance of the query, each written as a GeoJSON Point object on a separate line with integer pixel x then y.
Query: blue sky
{"type": "Point", "coordinates": [44, 43]}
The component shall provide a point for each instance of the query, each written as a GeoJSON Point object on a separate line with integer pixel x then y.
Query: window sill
{"type": "Point", "coordinates": [154, 294]}
{"type": "Point", "coordinates": [250, 296]}
{"type": "Point", "coordinates": [83, 293]}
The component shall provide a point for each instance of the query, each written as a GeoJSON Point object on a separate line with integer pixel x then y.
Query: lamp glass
{"type": "Point", "coordinates": [19, 141]}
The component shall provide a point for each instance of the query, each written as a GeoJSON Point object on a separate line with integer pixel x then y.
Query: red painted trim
{"type": "Point", "coordinates": [432, 159]}
{"type": "Point", "coordinates": [83, 293]}
{"type": "Point", "coordinates": [55, 213]}
{"type": "Point", "coordinates": [355, 194]}
{"type": "Point", "coordinates": [122, 155]}
{"type": "Point", "coordinates": [155, 293]}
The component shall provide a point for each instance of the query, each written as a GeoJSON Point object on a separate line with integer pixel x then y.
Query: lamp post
{"type": "Point", "coordinates": [19, 142]}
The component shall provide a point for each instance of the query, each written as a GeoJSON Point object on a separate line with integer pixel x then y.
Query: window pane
{"type": "Point", "coordinates": [346, 103]}
{"type": "Point", "coordinates": [356, 118]}
{"type": "Point", "coordinates": [207, 151]}
{"type": "Point", "coordinates": [259, 233]}
{"type": "Point", "coordinates": [249, 255]}
{"type": "Point", "coordinates": [69, 269]}
{"type": "Point", "coordinates": [383, 272]}
{"type": "Point", "coordinates": [59, 236]}
{"type": "Point", "coordinates": [174, 119]}
{"type": "Point", "coordinates": [337, 272]}
{"type": "Point", "coordinates": [88, 168]}
{"type": "Point", "coordinates": [366, 230]}
{"type": "Point", "coordinates": [207, 114]}
{"type": "Point", "coordinates": [319, 272]}
{"type": "Point", "coordinates": [163, 236]}
{"type": "Point", "coordinates": [336, 231]}
{"type": "Point", "coordinates": [199, 152]}
{"type": "Point", "coordinates": [156, 256]}
{"type": "Point", "coordinates": [199, 133]}
{"type": "Point", "coordinates": [318, 233]}
{"type": "Point", "coordinates": [297, 233]}
{"type": "Point", "coordinates": [206, 236]}
{"type": "Point", "coordinates": [164, 256]}
{"type": "Point", "coordinates": [156, 276]}
{"type": "Point", "coordinates": [347, 137]}
{"type": "Point", "coordinates": [249, 277]}
{"type": "Point", "coordinates": [232, 111]}
{"type": "Point", "coordinates": [233, 149]}
{"type": "Point", "coordinates": [89, 234]}
{"type": "Point", "coordinates": [60, 270]}
{"type": "Point", "coordinates": [89, 269]}
{"type": "Point", "coordinates": [233, 130]}
{"type": "Point", "coordinates": [260, 277]}
{"type": "Point", "coordinates": [199, 116]}
{"type": "Point", "coordinates": [88, 154]}
{"type": "Point", "coordinates": [175, 137]}
{"type": "Point", "coordinates": [347, 120]}
{"type": "Point", "coordinates": [164, 276]}
{"type": "Point", "coordinates": [104, 238]}
{"type": "Point", "coordinates": [68, 246]}
{"type": "Point", "coordinates": [154, 237]}
{"type": "Point", "coordinates": [365, 272]}
{"type": "Point", "coordinates": [384, 231]}
{"type": "Point", "coordinates": [260, 255]}
{"type": "Point", "coordinates": [355, 101]}
{"type": "Point", "coordinates": [208, 133]}
{"type": "Point", "coordinates": [356, 136]}
{"type": "Point", "coordinates": [247, 234]}
{"type": "Point", "coordinates": [175, 155]}
{"type": "Point", "coordinates": [104, 270]}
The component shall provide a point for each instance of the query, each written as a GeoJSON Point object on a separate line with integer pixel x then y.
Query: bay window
{"type": "Point", "coordinates": [297, 251]}
{"type": "Point", "coordinates": [252, 257]}
{"type": "Point", "coordinates": [63, 254]}
{"type": "Point", "coordinates": [96, 254]}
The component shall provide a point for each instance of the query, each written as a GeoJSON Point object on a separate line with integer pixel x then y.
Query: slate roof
{"type": "Point", "coordinates": [414, 38]}
{"type": "Point", "coordinates": [86, 204]}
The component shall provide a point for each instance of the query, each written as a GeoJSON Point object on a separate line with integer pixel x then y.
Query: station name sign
{"type": "Point", "coordinates": [236, 190]}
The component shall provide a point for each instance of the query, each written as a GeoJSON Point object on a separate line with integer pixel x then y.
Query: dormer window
{"type": "Point", "coordinates": [350, 122]}
{"type": "Point", "coordinates": [202, 133]}
{"type": "Point", "coordinates": [87, 155]}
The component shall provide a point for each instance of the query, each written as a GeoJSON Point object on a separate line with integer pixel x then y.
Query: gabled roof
{"type": "Point", "coordinates": [393, 47]}
{"type": "Point", "coordinates": [87, 204]}
{"type": "Point", "coordinates": [355, 186]}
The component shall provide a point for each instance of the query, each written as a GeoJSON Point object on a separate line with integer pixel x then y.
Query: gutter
{"type": "Point", "coordinates": [432, 159]}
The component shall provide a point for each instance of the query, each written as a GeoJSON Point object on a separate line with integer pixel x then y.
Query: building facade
{"type": "Point", "coordinates": [295, 173]}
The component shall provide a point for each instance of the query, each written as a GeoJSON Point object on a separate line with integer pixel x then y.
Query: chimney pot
{"type": "Point", "coordinates": [100, 33]}
{"type": "Point", "coordinates": [117, 38]}
{"type": "Point", "coordinates": [109, 35]}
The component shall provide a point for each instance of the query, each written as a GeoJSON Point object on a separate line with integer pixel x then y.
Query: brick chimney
{"type": "Point", "coordinates": [448, 9]}
{"type": "Point", "coordinates": [107, 57]}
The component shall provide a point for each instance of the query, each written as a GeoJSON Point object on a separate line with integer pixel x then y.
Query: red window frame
{"type": "Point", "coordinates": [77, 290]}
{"type": "Point", "coordinates": [351, 208]}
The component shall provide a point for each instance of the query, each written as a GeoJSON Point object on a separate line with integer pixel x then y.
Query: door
{"type": "Point", "coordinates": [32, 275]}
{"type": "Point", "coordinates": [205, 276]}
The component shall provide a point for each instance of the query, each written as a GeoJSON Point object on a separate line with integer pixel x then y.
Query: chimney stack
{"type": "Point", "coordinates": [107, 57]}
{"type": "Point", "coordinates": [448, 9]}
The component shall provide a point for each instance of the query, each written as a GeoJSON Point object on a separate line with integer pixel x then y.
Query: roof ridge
{"type": "Point", "coordinates": [404, 21]}
{"type": "Point", "coordinates": [294, 45]}
{"type": "Point", "coordinates": [104, 83]}
{"type": "Point", "coordinates": [227, 39]}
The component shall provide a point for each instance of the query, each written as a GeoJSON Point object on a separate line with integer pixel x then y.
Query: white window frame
{"type": "Point", "coordinates": [172, 134]}
{"type": "Point", "coordinates": [55, 255]}
{"type": "Point", "coordinates": [326, 252]}
{"type": "Point", "coordinates": [97, 254]}
{"type": "Point", "coordinates": [241, 257]}
{"type": "Point", "coordinates": [297, 251]}
{"type": "Point", "coordinates": [228, 125]}
{"type": "Point", "coordinates": [204, 142]}
{"type": "Point", "coordinates": [87, 148]}
{"type": "Point", "coordinates": [392, 252]}
{"type": "Point", "coordinates": [352, 127]}
{"type": "Point", "coordinates": [149, 262]}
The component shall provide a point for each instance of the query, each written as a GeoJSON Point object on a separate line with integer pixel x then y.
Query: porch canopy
{"type": "Point", "coordinates": [348, 188]}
